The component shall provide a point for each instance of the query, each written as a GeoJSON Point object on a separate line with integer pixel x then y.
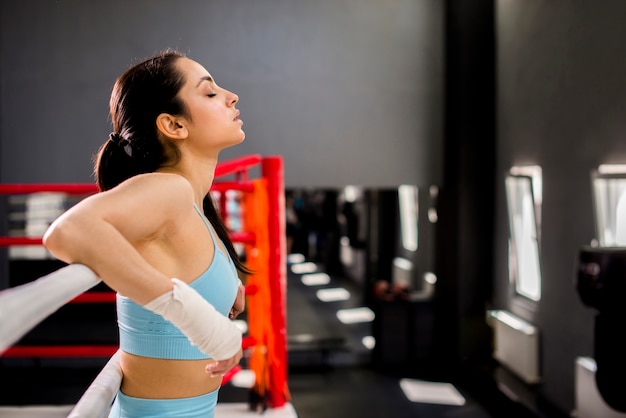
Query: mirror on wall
{"type": "Point", "coordinates": [367, 235]}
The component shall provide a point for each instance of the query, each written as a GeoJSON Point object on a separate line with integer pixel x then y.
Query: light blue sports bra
{"type": "Point", "coordinates": [145, 333]}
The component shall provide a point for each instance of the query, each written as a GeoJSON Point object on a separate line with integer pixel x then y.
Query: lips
{"type": "Point", "coordinates": [236, 115]}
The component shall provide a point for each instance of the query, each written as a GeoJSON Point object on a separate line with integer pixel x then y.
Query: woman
{"type": "Point", "coordinates": [146, 236]}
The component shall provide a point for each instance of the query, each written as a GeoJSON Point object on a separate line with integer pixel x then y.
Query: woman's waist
{"type": "Point", "coordinates": [155, 378]}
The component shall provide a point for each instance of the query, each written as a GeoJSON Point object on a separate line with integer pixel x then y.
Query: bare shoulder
{"type": "Point", "coordinates": [140, 209]}
{"type": "Point", "coordinates": [161, 190]}
{"type": "Point", "coordinates": [141, 205]}
{"type": "Point", "coordinates": [160, 181]}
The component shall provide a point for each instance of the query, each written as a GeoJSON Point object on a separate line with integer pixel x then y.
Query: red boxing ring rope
{"type": "Point", "coordinates": [272, 173]}
{"type": "Point", "coordinates": [74, 189]}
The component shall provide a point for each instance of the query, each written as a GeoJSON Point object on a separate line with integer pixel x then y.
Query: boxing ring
{"type": "Point", "coordinates": [260, 234]}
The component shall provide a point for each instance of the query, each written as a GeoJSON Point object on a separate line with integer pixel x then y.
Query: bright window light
{"type": "Point", "coordinates": [304, 268]}
{"type": "Point", "coordinates": [523, 188]}
{"type": "Point", "coordinates": [431, 392]}
{"type": "Point", "coordinates": [333, 295]}
{"type": "Point", "coordinates": [295, 258]}
{"type": "Point", "coordinates": [407, 197]}
{"type": "Point", "coordinates": [609, 195]}
{"type": "Point", "coordinates": [355, 315]}
{"type": "Point", "coordinates": [315, 279]}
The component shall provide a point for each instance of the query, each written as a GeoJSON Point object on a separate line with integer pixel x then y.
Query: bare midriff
{"type": "Point", "coordinates": [153, 378]}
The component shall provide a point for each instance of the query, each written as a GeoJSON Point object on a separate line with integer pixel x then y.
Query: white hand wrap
{"type": "Point", "coordinates": [206, 328]}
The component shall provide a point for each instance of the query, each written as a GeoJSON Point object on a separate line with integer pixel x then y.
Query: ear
{"type": "Point", "coordinates": [170, 126]}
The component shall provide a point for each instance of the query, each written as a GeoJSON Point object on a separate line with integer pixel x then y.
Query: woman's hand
{"type": "Point", "coordinates": [221, 367]}
{"type": "Point", "coordinates": [240, 302]}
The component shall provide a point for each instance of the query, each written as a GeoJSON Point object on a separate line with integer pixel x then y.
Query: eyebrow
{"type": "Point", "coordinates": [205, 78]}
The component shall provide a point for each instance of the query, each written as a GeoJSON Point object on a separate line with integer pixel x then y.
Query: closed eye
{"type": "Point", "coordinates": [212, 95]}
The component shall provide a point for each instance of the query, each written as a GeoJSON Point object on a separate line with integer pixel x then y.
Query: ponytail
{"type": "Point", "coordinates": [119, 159]}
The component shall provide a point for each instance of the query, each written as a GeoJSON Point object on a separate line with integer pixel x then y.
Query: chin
{"type": "Point", "coordinates": [235, 141]}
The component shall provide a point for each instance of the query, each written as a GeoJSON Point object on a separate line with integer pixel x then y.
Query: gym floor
{"type": "Point", "coordinates": [341, 378]}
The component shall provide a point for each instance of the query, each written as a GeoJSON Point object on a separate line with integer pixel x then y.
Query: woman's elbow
{"type": "Point", "coordinates": [55, 241]}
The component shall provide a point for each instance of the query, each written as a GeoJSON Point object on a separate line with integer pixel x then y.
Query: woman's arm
{"type": "Point", "coordinates": [99, 231]}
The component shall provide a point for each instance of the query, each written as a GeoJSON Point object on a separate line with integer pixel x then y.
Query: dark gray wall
{"type": "Point", "coordinates": [561, 104]}
{"type": "Point", "coordinates": [348, 92]}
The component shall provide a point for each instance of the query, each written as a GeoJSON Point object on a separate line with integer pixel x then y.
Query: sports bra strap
{"type": "Point", "coordinates": [208, 225]}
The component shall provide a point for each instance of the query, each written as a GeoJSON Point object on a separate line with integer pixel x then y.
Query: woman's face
{"type": "Point", "coordinates": [213, 123]}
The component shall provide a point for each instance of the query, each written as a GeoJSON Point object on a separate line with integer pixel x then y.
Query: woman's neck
{"type": "Point", "coordinates": [200, 177]}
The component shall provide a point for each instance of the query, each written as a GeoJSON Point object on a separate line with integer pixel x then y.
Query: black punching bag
{"type": "Point", "coordinates": [601, 284]}
{"type": "Point", "coordinates": [610, 355]}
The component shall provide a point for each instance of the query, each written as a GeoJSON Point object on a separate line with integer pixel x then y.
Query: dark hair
{"type": "Point", "coordinates": [140, 94]}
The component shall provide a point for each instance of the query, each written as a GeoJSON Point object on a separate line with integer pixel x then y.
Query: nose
{"type": "Point", "coordinates": [232, 98]}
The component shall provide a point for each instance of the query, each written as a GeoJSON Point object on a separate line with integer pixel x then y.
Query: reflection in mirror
{"type": "Point", "coordinates": [523, 194]}
{"type": "Point", "coordinates": [363, 262]}
{"type": "Point", "coordinates": [367, 235]}
{"type": "Point", "coordinates": [609, 187]}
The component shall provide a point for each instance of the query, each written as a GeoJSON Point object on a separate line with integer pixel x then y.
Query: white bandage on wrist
{"type": "Point", "coordinates": [206, 328]}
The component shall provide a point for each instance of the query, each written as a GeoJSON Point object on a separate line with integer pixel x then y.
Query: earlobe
{"type": "Point", "coordinates": [171, 126]}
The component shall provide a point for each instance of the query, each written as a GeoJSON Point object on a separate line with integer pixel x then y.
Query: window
{"type": "Point", "coordinates": [609, 197]}
{"type": "Point", "coordinates": [407, 198]}
{"type": "Point", "coordinates": [523, 195]}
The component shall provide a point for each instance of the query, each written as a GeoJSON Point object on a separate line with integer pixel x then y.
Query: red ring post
{"type": "Point", "coordinates": [272, 169]}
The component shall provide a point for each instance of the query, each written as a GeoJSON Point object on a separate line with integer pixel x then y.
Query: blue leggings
{"type": "Point", "coordinates": [202, 406]}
